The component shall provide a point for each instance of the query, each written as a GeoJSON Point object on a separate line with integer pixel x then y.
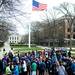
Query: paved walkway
{"type": "Point", "coordinates": [7, 49]}
{"type": "Point", "coordinates": [73, 48]}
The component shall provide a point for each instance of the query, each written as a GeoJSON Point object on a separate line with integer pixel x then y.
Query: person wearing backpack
{"type": "Point", "coordinates": [48, 66]}
{"type": "Point", "coordinates": [34, 68]}
{"type": "Point", "coordinates": [42, 67]}
{"type": "Point", "coordinates": [8, 70]}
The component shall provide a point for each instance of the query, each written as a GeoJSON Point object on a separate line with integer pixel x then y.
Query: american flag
{"type": "Point", "coordinates": [37, 6]}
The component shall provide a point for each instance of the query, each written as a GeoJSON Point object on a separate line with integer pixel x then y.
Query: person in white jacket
{"type": "Point", "coordinates": [61, 69]}
{"type": "Point", "coordinates": [24, 66]}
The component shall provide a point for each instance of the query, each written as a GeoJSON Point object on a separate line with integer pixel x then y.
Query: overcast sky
{"type": "Point", "coordinates": [23, 21]}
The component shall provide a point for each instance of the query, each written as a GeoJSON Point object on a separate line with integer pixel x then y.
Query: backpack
{"type": "Point", "coordinates": [42, 66]}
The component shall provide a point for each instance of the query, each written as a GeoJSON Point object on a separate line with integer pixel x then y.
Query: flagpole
{"type": "Point", "coordinates": [43, 6]}
{"type": "Point", "coordinates": [29, 36]}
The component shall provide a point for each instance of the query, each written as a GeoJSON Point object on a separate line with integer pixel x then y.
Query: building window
{"type": "Point", "coordinates": [17, 38]}
{"type": "Point", "coordinates": [73, 29]}
{"type": "Point", "coordinates": [10, 41]}
{"type": "Point", "coordinates": [73, 36]}
{"type": "Point", "coordinates": [10, 38]}
{"type": "Point", "coordinates": [68, 30]}
{"type": "Point", "coordinates": [68, 36]}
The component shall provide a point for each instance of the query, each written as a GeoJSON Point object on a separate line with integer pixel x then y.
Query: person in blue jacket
{"type": "Point", "coordinates": [73, 67]}
{"type": "Point", "coordinates": [16, 69]}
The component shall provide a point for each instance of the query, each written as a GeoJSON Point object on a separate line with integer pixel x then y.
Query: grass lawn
{"type": "Point", "coordinates": [25, 49]}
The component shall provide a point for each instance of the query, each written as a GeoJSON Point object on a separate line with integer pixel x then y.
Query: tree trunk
{"type": "Point", "coordinates": [71, 37]}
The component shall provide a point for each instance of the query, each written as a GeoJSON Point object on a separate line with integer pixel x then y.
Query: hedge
{"type": "Point", "coordinates": [22, 45]}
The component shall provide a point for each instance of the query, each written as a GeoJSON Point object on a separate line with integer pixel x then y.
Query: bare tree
{"type": "Point", "coordinates": [24, 39]}
{"type": "Point", "coordinates": [68, 10]}
{"type": "Point", "coordinates": [8, 9]}
{"type": "Point", "coordinates": [51, 17]}
{"type": "Point", "coordinates": [5, 29]}
{"type": "Point", "coordinates": [36, 26]}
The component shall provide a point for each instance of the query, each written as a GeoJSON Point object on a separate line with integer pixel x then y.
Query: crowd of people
{"type": "Point", "coordinates": [44, 62]}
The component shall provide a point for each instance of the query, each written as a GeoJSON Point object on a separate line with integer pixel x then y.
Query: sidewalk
{"type": "Point", "coordinates": [73, 48]}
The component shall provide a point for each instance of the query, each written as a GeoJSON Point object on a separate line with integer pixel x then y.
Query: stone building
{"type": "Point", "coordinates": [14, 38]}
